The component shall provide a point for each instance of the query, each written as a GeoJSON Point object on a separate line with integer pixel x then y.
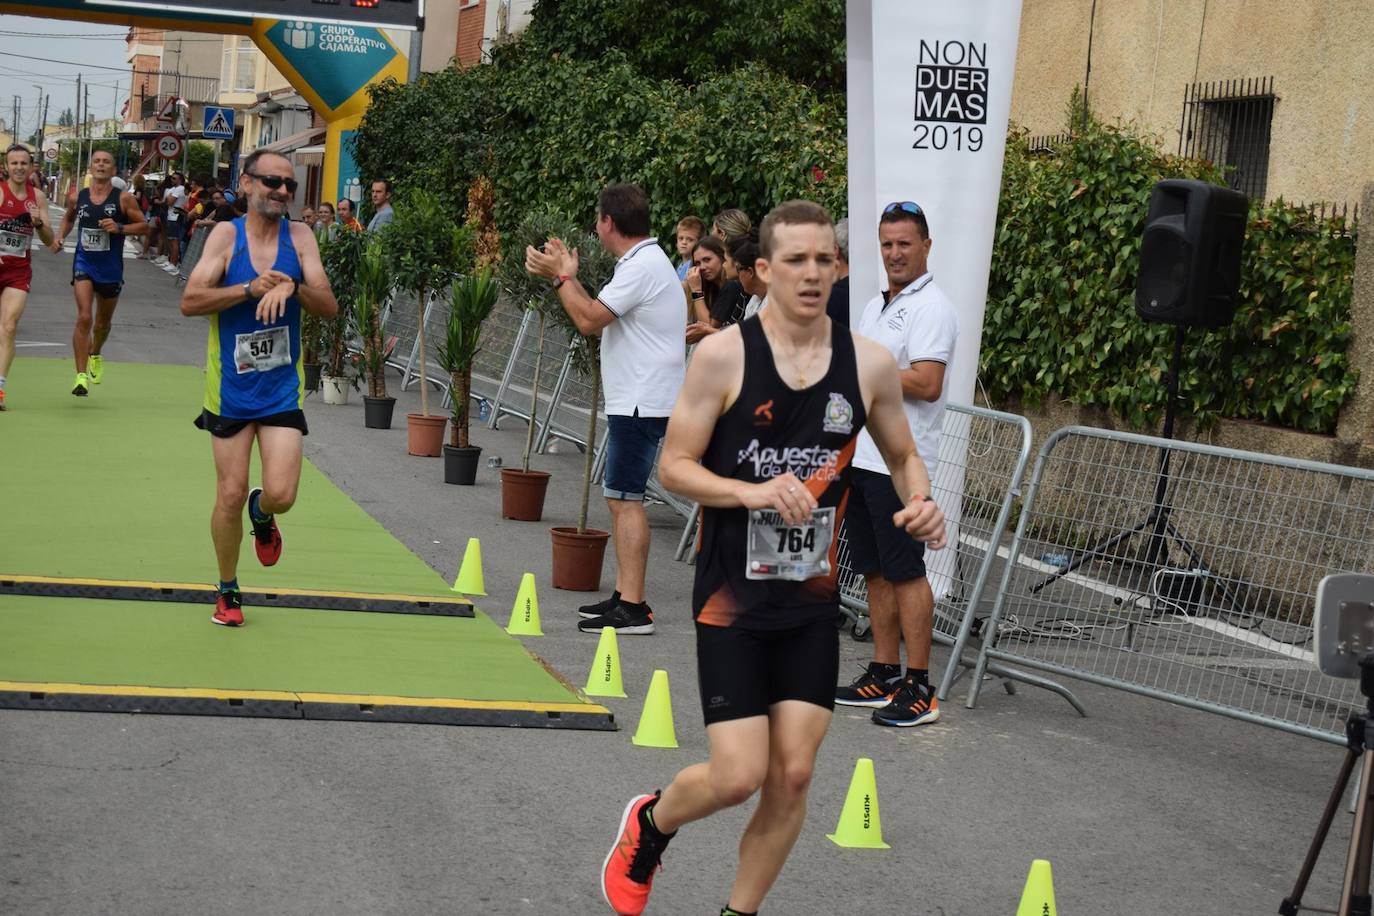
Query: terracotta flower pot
{"type": "Point", "coordinates": [577, 558]}
{"type": "Point", "coordinates": [522, 494]}
{"type": "Point", "coordinates": [425, 435]}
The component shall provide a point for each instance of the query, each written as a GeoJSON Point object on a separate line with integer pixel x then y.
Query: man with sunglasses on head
{"type": "Point", "coordinates": [23, 211]}
{"type": "Point", "coordinates": [918, 325]}
{"type": "Point", "coordinates": [255, 276]}
{"type": "Point", "coordinates": [103, 215]}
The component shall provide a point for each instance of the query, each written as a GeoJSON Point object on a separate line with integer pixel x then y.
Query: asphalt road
{"type": "Point", "coordinates": [1142, 808]}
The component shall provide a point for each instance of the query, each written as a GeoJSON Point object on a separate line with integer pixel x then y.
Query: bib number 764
{"type": "Point", "coordinates": [777, 550]}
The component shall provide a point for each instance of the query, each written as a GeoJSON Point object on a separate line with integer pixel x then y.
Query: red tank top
{"type": "Point", "coordinates": [16, 225]}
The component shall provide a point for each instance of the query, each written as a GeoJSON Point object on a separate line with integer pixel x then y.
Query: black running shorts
{"type": "Point", "coordinates": [103, 290]}
{"type": "Point", "coordinates": [743, 672]}
{"type": "Point", "coordinates": [228, 427]}
{"type": "Point", "coordinates": [875, 544]}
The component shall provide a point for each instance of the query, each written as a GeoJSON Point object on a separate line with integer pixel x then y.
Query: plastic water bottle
{"type": "Point", "coordinates": [483, 410]}
{"type": "Point", "coordinates": [494, 462]}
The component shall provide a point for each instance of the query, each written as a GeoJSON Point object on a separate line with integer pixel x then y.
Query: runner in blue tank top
{"type": "Point", "coordinates": [253, 278]}
{"type": "Point", "coordinates": [103, 215]}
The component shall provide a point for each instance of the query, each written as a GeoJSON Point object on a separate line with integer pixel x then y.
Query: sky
{"type": "Point", "coordinates": [94, 50]}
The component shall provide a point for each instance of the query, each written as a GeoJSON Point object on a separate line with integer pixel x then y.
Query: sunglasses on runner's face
{"type": "Point", "coordinates": [273, 182]}
{"type": "Point", "coordinates": [906, 205]}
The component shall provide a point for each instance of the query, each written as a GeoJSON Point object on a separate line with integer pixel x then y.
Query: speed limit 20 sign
{"type": "Point", "coordinates": [168, 146]}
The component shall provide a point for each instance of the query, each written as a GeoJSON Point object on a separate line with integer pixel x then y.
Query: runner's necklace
{"type": "Point", "coordinates": [801, 373]}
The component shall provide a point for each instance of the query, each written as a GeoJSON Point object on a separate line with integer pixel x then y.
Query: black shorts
{"type": "Point", "coordinates": [227, 427]}
{"type": "Point", "coordinates": [743, 672]}
{"type": "Point", "coordinates": [103, 290]}
{"type": "Point", "coordinates": [875, 544]}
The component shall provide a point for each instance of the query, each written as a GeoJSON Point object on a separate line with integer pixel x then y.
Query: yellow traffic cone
{"type": "Point", "coordinates": [859, 826]}
{"type": "Point", "coordinates": [1038, 897]}
{"type": "Point", "coordinates": [524, 616]}
{"type": "Point", "coordinates": [470, 581]}
{"type": "Point", "coordinates": [656, 721]}
{"type": "Point", "coordinates": [604, 678]}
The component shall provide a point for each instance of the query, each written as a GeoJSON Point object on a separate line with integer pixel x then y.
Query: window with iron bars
{"type": "Point", "coordinates": [1228, 123]}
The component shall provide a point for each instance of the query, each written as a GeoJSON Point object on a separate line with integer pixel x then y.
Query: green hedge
{"type": "Point", "coordinates": [552, 131]}
{"type": "Point", "coordinates": [1060, 313]}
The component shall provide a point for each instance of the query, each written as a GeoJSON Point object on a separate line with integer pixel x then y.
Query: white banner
{"type": "Point", "coordinates": [929, 97]}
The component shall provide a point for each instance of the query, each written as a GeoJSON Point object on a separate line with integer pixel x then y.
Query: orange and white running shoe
{"type": "Point", "coordinates": [627, 875]}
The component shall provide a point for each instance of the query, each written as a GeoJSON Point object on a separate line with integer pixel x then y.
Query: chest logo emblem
{"type": "Point", "coordinates": [763, 414]}
{"type": "Point", "coordinates": [839, 415]}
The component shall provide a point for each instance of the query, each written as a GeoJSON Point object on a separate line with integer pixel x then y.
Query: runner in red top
{"type": "Point", "coordinates": [23, 210]}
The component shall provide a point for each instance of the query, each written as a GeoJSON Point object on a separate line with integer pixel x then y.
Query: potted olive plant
{"type": "Point", "coordinates": [523, 489]}
{"type": "Point", "coordinates": [429, 248]}
{"type": "Point", "coordinates": [312, 345]}
{"type": "Point", "coordinates": [473, 298]}
{"type": "Point", "coordinates": [374, 280]}
{"type": "Point", "coordinates": [579, 553]}
{"type": "Point", "coordinates": [340, 256]}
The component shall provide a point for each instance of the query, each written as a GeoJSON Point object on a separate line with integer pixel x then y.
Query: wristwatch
{"type": "Point", "coordinates": [562, 278]}
{"type": "Point", "coordinates": [248, 290]}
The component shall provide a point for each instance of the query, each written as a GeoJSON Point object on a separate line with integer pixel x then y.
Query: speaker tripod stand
{"type": "Point", "coordinates": [1162, 531]}
{"type": "Point", "coordinates": [1359, 746]}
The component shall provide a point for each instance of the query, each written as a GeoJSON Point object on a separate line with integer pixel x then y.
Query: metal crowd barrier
{"type": "Point", "coordinates": [192, 250]}
{"type": "Point", "coordinates": [1209, 603]}
{"type": "Point", "coordinates": [400, 322]}
{"type": "Point", "coordinates": [512, 396]}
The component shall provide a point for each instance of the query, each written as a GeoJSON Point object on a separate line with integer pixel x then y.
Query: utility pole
{"type": "Point", "coordinates": [43, 121]}
{"type": "Point", "coordinates": [76, 134]}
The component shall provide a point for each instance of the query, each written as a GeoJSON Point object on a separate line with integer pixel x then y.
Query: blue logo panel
{"type": "Point", "coordinates": [334, 60]}
{"type": "Point", "coordinates": [350, 185]}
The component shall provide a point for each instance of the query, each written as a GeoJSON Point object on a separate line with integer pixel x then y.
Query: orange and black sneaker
{"type": "Point", "coordinates": [913, 704]}
{"type": "Point", "coordinates": [627, 875]}
{"type": "Point", "coordinates": [874, 688]}
{"type": "Point", "coordinates": [266, 536]}
{"type": "Point", "coordinates": [2, 399]}
{"type": "Point", "coordinates": [228, 611]}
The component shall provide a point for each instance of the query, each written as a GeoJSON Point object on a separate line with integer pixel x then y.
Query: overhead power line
{"type": "Point", "coordinates": [70, 63]}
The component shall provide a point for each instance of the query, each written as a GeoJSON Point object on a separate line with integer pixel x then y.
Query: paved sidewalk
{"type": "Point", "coordinates": [1142, 808]}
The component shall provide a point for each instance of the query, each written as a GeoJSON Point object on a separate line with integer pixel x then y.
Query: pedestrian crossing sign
{"type": "Point", "coordinates": [219, 124]}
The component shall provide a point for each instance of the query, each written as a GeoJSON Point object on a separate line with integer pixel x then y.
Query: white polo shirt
{"type": "Point", "coordinates": [643, 351]}
{"type": "Point", "coordinates": [920, 324]}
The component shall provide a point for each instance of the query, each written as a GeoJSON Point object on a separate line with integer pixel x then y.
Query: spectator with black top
{"type": "Point", "coordinates": [838, 306]}
{"type": "Point", "coordinates": [704, 279]}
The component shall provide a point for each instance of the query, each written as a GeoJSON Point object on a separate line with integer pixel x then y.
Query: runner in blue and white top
{"type": "Point", "coordinates": [253, 279]}
{"type": "Point", "coordinates": [103, 214]}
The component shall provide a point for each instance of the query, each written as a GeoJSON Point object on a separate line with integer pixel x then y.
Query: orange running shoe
{"type": "Point", "coordinates": [2, 399]}
{"type": "Point", "coordinates": [627, 875]}
{"type": "Point", "coordinates": [228, 611]}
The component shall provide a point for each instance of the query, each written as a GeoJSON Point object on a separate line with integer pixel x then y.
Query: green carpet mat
{"type": "Point", "coordinates": [119, 485]}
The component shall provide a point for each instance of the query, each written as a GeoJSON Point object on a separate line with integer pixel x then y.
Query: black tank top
{"type": "Point", "coordinates": [769, 430]}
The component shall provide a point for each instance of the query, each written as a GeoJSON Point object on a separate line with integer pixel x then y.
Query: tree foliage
{"type": "Point", "coordinates": [1060, 312]}
{"type": "Point", "coordinates": [552, 129]}
{"type": "Point", "coordinates": [803, 40]}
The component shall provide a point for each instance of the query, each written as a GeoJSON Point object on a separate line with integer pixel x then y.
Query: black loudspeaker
{"type": "Point", "coordinates": [1190, 254]}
